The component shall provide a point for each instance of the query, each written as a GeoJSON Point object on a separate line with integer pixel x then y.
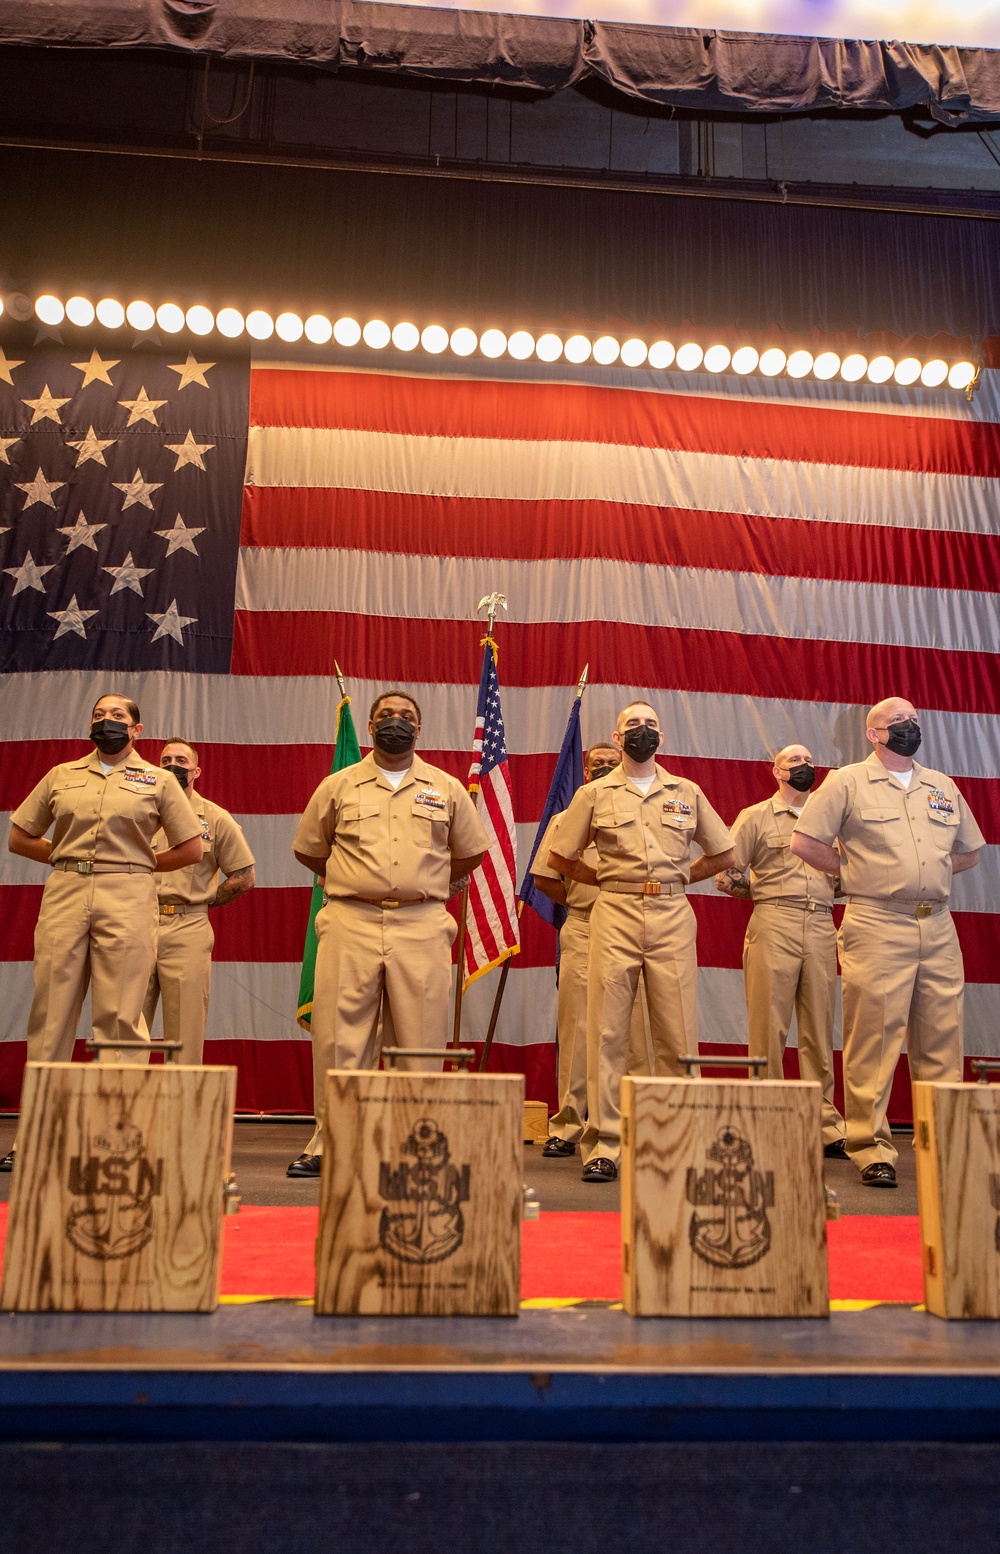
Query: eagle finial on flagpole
{"type": "Point", "coordinates": [492, 603]}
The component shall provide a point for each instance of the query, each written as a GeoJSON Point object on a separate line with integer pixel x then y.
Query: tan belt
{"type": "Point", "coordinates": [902, 908]}
{"type": "Point", "coordinates": [88, 866]}
{"type": "Point", "coordinates": [641, 888]}
{"type": "Point", "coordinates": [387, 905]}
{"type": "Point", "coordinates": [175, 909]}
{"type": "Point", "coordinates": [582, 914]}
{"type": "Point", "coordinates": [790, 901]}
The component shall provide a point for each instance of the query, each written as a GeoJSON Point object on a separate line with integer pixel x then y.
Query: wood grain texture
{"type": "Point", "coordinates": [420, 1197]}
{"type": "Point", "coordinates": [536, 1122]}
{"type": "Point", "coordinates": [116, 1201]}
{"type": "Point", "coordinates": [723, 1209]}
{"type": "Point", "coordinates": [957, 1136]}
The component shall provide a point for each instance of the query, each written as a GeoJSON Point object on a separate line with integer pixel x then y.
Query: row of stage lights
{"type": "Point", "coordinates": [493, 343]}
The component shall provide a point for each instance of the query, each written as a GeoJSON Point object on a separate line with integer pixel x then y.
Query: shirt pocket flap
{"type": "Point", "coordinates": [429, 811]}
{"type": "Point", "coordinates": [944, 820]}
{"type": "Point", "coordinates": [880, 814]}
{"type": "Point", "coordinates": [777, 841]}
{"type": "Point", "coordinates": [679, 822]}
{"type": "Point", "coordinates": [78, 780]}
{"type": "Point", "coordinates": [352, 813]}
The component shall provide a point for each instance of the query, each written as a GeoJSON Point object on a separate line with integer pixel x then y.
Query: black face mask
{"type": "Point", "coordinates": [180, 772]}
{"type": "Point", "coordinates": [641, 743]}
{"type": "Point", "coordinates": [109, 736]}
{"type": "Point", "coordinates": [802, 777]}
{"type": "Point", "coordinates": [601, 771]}
{"type": "Point", "coordinates": [904, 738]}
{"type": "Point", "coordinates": [395, 736]}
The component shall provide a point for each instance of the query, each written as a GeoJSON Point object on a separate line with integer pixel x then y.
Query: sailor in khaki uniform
{"type": "Point", "coordinates": [392, 838]}
{"type": "Point", "coordinates": [902, 831]}
{"type": "Point", "coordinates": [643, 822]}
{"type": "Point", "coordinates": [97, 923]}
{"type": "Point", "coordinates": [566, 1127]}
{"type": "Point", "coordinates": [182, 976]}
{"type": "Point", "coordinates": [790, 950]}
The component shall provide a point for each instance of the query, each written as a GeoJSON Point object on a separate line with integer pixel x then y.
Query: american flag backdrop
{"type": "Point", "coordinates": [762, 559]}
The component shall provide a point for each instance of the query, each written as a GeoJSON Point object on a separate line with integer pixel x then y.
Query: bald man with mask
{"type": "Point", "coordinates": [897, 833]}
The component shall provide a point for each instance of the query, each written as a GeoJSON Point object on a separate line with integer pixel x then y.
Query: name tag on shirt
{"type": "Point", "coordinates": [677, 807]}
{"type": "Point", "coordinates": [940, 802]}
{"type": "Point", "coordinates": [431, 801]}
{"type": "Point", "coordinates": [139, 779]}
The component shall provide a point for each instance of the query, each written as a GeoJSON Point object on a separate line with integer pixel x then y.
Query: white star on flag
{"type": "Point", "coordinates": [45, 407]}
{"type": "Point", "coordinates": [91, 447]}
{"type": "Point", "coordinates": [192, 372]}
{"type": "Point", "coordinates": [5, 443]}
{"type": "Point", "coordinates": [137, 490]}
{"type": "Point", "coordinates": [189, 452]}
{"type": "Point", "coordinates": [128, 576]}
{"type": "Point", "coordinates": [180, 537]}
{"type": "Point", "coordinates": [170, 624]}
{"type": "Point", "coordinates": [95, 371]}
{"type": "Point", "coordinates": [39, 489]}
{"type": "Point", "coordinates": [142, 409]}
{"type": "Point", "coordinates": [71, 619]}
{"type": "Point", "coordinates": [7, 367]}
{"type": "Point", "coordinates": [27, 575]}
{"type": "Point", "coordinates": [81, 533]}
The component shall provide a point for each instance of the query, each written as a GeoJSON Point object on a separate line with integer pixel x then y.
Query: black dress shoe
{"type": "Point", "coordinates": [600, 1170]}
{"type": "Point", "coordinates": [879, 1175]}
{"type": "Point", "coordinates": [306, 1165]}
{"type": "Point", "coordinates": [7, 1163]}
{"type": "Point", "coordinates": [835, 1151]}
{"type": "Point", "coordinates": [558, 1149]}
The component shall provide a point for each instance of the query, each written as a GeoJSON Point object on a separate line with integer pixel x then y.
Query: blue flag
{"type": "Point", "coordinates": [567, 777]}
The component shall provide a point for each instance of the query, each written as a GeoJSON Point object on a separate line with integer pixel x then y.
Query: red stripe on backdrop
{"type": "Point", "coordinates": [617, 531]}
{"type": "Point", "coordinates": [300, 642]}
{"type": "Point", "coordinates": [429, 407]}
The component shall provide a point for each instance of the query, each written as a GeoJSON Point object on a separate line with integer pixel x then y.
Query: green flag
{"type": "Point", "coordinates": [346, 753]}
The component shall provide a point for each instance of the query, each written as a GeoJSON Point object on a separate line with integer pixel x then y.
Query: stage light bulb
{"type": "Point", "coordinates": [577, 349]}
{"type": "Point", "coordinates": [80, 312]}
{"type": "Point", "coordinates": [49, 310]}
{"type": "Point", "coordinates": [634, 352]}
{"type": "Point", "coordinates": [463, 341]}
{"type": "Point", "coordinates": [170, 317]}
{"type": "Point", "coordinates": [493, 343]}
{"type": "Point", "coordinates": [799, 363]}
{"type": "Point", "coordinates": [406, 337]}
{"type": "Point", "coordinates": [934, 373]}
{"type": "Point", "coordinates": [826, 365]}
{"type": "Point", "coordinates": [287, 326]}
{"type": "Point", "coordinates": [141, 316]}
{"type": "Point", "coordinates": [853, 367]}
{"type": "Point", "coordinates": [521, 345]}
{"type": "Point", "coordinates": [717, 358]}
{"type": "Point", "coordinates": [961, 375]}
{"type": "Point", "coordinates": [881, 369]}
{"type": "Point", "coordinates": [200, 319]}
{"type": "Point", "coordinates": [260, 325]}
{"type": "Point", "coordinates": [110, 313]}
{"type": "Point", "coordinates": [907, 371]}
{"type": "Point", "coordinates": [376, 334]}
{"type": "Point", "coordinates": [745, 360]}
{"type": "Point", "coordinates": [606, 350]}
{"type": "Point", "coordinates": [772, 362]}
{"type": "Point", "coordinates": [347, 331]}
{"type": "Point", "coordinates": [230, 322]}
{"type": "Point", "coordinates": [661, 354]}
{"type": "Point", "coordinates": [548, 348]}
{"type": "Point", "coordinates": [318, 329]}
{"type": "Point", "coordinates": [434, 339]}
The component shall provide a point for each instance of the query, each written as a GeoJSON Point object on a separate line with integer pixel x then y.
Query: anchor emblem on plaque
{"type": "Point", "coordinates": [729, 1227]}
{"type": "Point", "coordinates": [422, 1219]}
{"type": "Point", "coordinates": [117, 1184]}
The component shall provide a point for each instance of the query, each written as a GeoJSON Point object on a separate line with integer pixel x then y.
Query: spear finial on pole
{"type": "Point", "coordinates": [340, 679]}
{"type": "Point", "coordinates": [582, 682]}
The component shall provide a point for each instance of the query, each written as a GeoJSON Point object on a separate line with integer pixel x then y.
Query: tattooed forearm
{"type": "Point", "coordinates": [236, 885]}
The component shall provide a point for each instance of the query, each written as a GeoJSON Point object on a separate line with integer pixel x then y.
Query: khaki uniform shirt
{"type": "Point", "coordinates": [895, 842]}
{"type": "Point", "coordinates": [225, 849]}
{"type": "Point", "coordinates": [762, 838]}
{"type": "Point", "coordinates": [107, 819]}
{"type": "Point", "coordinates": [385, 842]}
{"type": "Point", "coordinates": [581, 897]}
{"type": "Point", "coordinates": [641, 837]}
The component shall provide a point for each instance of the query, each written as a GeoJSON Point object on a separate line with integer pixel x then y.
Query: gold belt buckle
{"type": "Point", "coordinates": [924, 909]}
{"type": "Point", "coordinates": [168, 911]}
{"type": "Point", "coordinates": [651, 887]}
{"type": "Point", "coordinates": [389, 905]}
{"type": "Point", "coordinates": [85, 866]}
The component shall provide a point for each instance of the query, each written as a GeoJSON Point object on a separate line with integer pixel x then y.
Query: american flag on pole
{"type": "Point", "coordinates": [492, 931]}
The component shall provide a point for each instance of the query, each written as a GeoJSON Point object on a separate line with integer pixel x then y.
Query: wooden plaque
{"type": "Point", "coordinates": [723, 1207]}
{"type": "Point", "coordinates": [421, 1195]}
{"type": "Point", "coordinates": [957, 1137]}
{"type": "Point", "coordinates": [536, 1122]}
{"type": "Point", "coordinates": [117, 1195]}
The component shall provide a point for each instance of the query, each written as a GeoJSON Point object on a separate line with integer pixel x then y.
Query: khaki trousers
{"type": "Point", "coordinates": [96, 929]}
{"type": "Point", "coordinates": [574, 1057]}
{"type": "Point", "coordinates": [182, 979]}
{"type": "Point", "coordinates": [368, 953]}
{"type": "Point", "coordinates": [790, 963]}
{"type": "Point", "coordinates": [902, 979]}
{"type": "Point", "coordinates": [629, 935]}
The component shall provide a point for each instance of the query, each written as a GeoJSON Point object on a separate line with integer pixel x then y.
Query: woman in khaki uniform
{"type": "Point", "coordinates": [98, 919]}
